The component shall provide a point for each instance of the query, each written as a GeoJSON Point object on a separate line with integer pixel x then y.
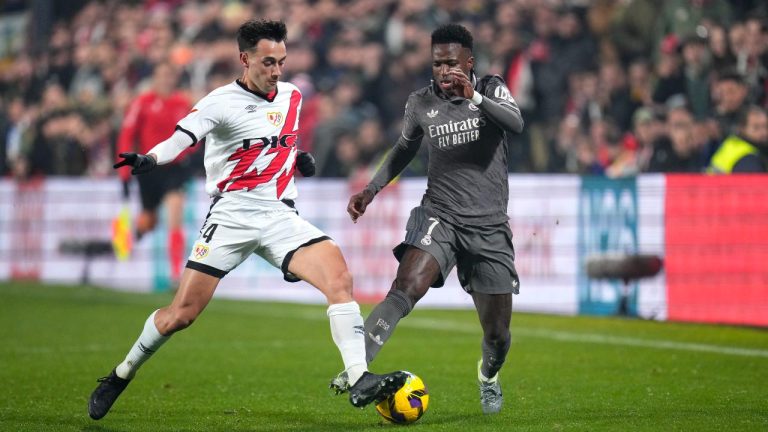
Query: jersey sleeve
{"type": "Point", "coordinates": [412, 130]}
{"type": "Point", "coordinates": [500, 106]}
{"type": "Point", "coordinates": [497, 91]}
{"type": "Point", "coordinates": [205, 115]}
{"type": "Point", "coordinates": [402, 153]}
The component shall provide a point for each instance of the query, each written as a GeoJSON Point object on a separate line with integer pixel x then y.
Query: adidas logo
{"type": "Point", "coordinates": [376, 339]}
{"type": "Point", "coordinates": [432, 113]}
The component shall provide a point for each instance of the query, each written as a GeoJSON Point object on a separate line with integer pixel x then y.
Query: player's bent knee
{"type": "Point", "coordinates": [497, 337]}
{"type": "Point", "coordinates": [412, 286]}
{"type": "Point", "coordinates": [340, 287]}
{"type": "Point", "coordinates": [178, 319]}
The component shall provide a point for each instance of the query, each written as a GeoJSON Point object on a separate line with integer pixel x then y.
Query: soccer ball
{"type": "Point", "coordinates": [408, 404]}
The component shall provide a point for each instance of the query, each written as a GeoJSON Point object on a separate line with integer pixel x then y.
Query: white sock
{"type": "Point", "coordinates": [348, 333]}
{"type": "Point", "coordinates": [149, 341]}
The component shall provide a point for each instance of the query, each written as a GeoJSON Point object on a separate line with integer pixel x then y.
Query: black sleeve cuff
{"type": "Point", "coordinates": [189, 133]}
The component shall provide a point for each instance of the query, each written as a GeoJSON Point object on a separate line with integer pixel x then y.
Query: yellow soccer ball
{"type": "Point", "coordinates": [408, 404]}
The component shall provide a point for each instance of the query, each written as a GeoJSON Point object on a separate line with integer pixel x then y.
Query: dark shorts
{"type": "Point", "coordinates": [163, 179]}
{"type": "Point", "coordinates": [484, 255]}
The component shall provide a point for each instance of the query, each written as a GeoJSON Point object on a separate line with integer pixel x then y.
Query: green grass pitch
{"type": "Point", "coordinates": [250, 366]}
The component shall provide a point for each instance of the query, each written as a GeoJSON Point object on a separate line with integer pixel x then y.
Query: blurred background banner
{"type": "Point", "coordinates": [717, 248]}
{"type": "Point", "coordinates": [711, 232]}
{"type": "Point", "coordinates": [608, 219]}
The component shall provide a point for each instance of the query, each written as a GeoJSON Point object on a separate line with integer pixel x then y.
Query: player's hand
{"type": "Point", "coordinates": [358, 203]}
{"type": "Point", "coordinates": [141, 163]}
{"type": "Point", "coordinates": [462, 86]}
{"type": "Point", "coordinates": [305, 163]}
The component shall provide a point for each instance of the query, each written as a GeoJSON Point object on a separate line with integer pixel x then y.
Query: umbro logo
{"type": "Point", "coordinates": [251, 108]}
{"type": "Point", "coordinates": [432, 113]}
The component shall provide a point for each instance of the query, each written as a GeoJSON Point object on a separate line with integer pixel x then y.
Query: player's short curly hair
{"type": "Point", "coordinates": [452, 33]}
{"type": "Point", "coordinates": [251, 32]}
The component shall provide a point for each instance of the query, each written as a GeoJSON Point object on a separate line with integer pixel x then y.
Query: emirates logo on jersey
{"type": "Point", "coordinates": [276, 118]}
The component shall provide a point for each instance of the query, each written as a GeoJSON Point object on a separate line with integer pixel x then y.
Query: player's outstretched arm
{"type": "Point", "coordinates": [397, 159]}
{"type": "Point", "coordinates": [161, 154]}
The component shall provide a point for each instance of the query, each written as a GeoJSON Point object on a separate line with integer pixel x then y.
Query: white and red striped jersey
{"type": "Point", "coordinates": [250, 140]}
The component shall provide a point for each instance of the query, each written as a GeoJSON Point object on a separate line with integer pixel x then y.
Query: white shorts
{"type": "Point", "coordinates": [237, 227]}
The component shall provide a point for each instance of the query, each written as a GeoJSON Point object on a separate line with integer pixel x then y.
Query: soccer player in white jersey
{"type": "Point", "coordinates": [250, 127]}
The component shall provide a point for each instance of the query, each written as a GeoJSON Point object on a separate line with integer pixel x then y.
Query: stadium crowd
{"type": "Point", "coordinates": [612, 87]}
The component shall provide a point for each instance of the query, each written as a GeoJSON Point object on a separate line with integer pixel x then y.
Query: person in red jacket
{"type": "Point", "coordinates": [152, 117]}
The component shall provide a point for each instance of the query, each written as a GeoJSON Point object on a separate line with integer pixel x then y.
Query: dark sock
{"type": "Point", "coordinates": [382, 321]}
{"type": "Point", "coordinates": [494, 356]}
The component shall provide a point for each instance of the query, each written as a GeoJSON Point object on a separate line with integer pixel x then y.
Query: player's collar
{"type": "Point", "coordinates": [269, 97]}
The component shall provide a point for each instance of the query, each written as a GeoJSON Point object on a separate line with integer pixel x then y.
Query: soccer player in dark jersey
{"type": "Point", "coordinates": [462, 219]}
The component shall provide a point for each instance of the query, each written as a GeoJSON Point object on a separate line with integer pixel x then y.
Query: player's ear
{"type": "Point", "coordinates": [244, 58]}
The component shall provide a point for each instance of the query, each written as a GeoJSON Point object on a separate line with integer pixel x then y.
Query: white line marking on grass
{"type": "Point", "coordinates": [25, 349]}
{"type": "Point", "coordinates": [565, 336]}
{"type": "Point", "coordinates": [645, 343]}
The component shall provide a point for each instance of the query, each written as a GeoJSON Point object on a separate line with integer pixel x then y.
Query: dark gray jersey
{"type": "Point", "coordinates": [467, 172]}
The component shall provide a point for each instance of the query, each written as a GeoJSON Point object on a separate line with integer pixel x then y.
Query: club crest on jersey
{"type": "Point", "coordinates": [473, 107]}
{"type": "Point", "coordinates": [201, 251]}
{"type": "Point", "coordinates": [275, 117]}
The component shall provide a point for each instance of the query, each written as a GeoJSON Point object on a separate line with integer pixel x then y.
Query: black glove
{"type": "Point", "coordinates": [141, 163]}
{"type": "Point", "coordinates": [305, 163]}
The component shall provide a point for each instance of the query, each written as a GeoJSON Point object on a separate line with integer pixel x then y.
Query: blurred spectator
{"type": "Point", "coordinates": [14, 123]}
{"type": "Point", "coordinates": [683, 18]}
{"type": "Point", "coordinates": [630, 30]}
{"type": "Point", "coordinates": [670, 80]}
{"type": "Point", "coordinates": [696, 70]}
{"type": "Point", "coordinates": [59, 147]}
{"type": "Point", "coordinates": [720, 50]}
{"type": "Point", "coordinates": [579, 70]}
{"type": "Point", "coordinates": [614, 96]}
{"type": "Point", "coordinates": [344, 159]}
{"type": "Point", "coordinates": [677, 151]}
{"type": "Point", "coordinates": [730, 98]}
{"type": "Point", "coordinates": [637, 145]}
{"type": "Point", "coordinates": [747, 151]}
